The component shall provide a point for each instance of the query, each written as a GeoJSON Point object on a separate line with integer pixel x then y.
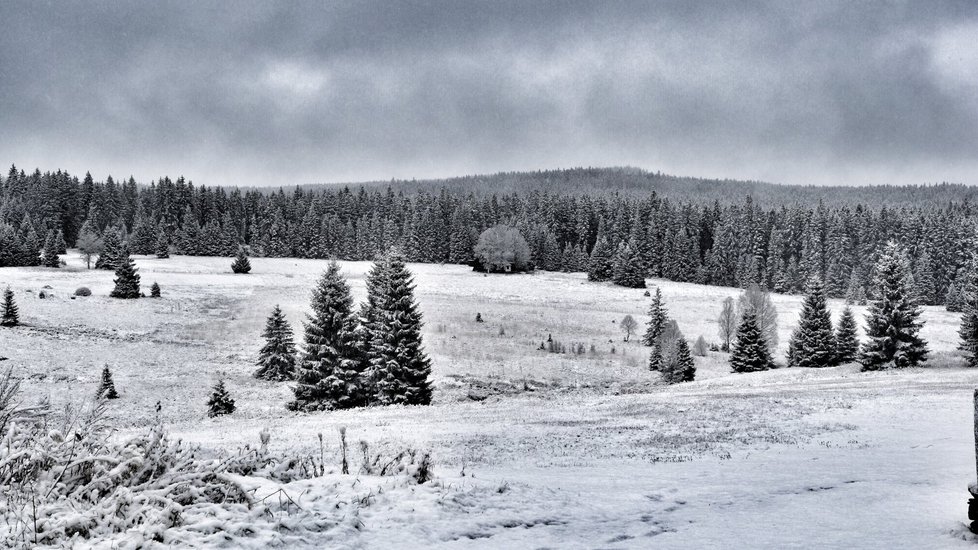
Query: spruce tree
{"type": "Point", "coordinates": [750, 351]}
{"type": "Point", "coordinates": [276, 360]}
{"type": "Point", "coordinates": [627, 268]}
{"type": "Point", "coordinates": [399, 365]}
{"type": "Point", "coordinates": [10, 317]}
{"type": "Point", "coordinates": [656, 359]}
{"type": "Point", "coordinates": [846, 338]}
{"type": "Point", "coordinates": [241, 263]}
{"type": "Point", "coordinates": [51, 247]}
{"type": "Point", "coordinates": [220, 402]}
{"type": "Point", "coordinates": [657, 319]}
{"type": "Point", "coordinates": [969, 323]}
{"type": "Point", "coordinates": [331, 371]}
{"type": "Point", "coordinates": [106, 387]}
{"type": "Point", "coordinates": [112, 250]}
{"type": "Point", "coordinates": [126, 278]}
{"type": "Point", "coordinates": [892, 324]}
{"type": "Point", "coordinates": [680, 367]}
{"type": "Point", "coordinates": [601, 264]}
{"type": "Point", "coordinates": [813, 344]}
{"type": "Point", "coordinates": [162, 247]}
{"type": "Point", "coordinates": [154, 290]}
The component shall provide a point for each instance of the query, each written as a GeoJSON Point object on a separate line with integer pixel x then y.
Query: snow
{"type": "Point", "coordinates": [594, 454]}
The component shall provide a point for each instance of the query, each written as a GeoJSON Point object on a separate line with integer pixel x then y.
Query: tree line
{"type": "Point", "coordinates": [730, 244]}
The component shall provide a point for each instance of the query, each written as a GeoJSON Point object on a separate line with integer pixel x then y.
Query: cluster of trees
{"type": "Point", "coordinates": [892, 326]}
{"type": "Point", "coordinates": [622, 237]}
{"type": "Point", "coordinates": [670, 354]}
{"type": "Point", "coordinates": [372, 356]}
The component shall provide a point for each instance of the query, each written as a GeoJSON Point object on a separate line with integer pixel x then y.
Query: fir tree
{"type": "Point", "coordinates": [241, 263]}
{"type": "Point", "coordinates": [106, 388]}
{"type": "Point", "coordinates": [154, 290]}
{"type": "Point", "coordinates": [220, 402]}
{"type": "Point", "coordinates": [398, 362]}
{"type": "Point", "coordinates": [750, 351]}
{"type": "Point", "coordinates": [846, 338]}
{"type": "Point", "coordinates": [657, 319]}
{"type": "Point", "coordinates": [51, 247]}
{"type": "Point", "coordinates": [656, 359]}
{"type": "Point", "coordinates": [126, 278]}
{"type": "Point", "coordinates": [331, 373]}
{"type": "Point", "coordinates": [892, 324]}
{"type": "Point", "coordinates": [813, 343]}
{"type": "Point", "coordinates": [10, 317]}
{"type": "Point", "coordinates": [276, 360]}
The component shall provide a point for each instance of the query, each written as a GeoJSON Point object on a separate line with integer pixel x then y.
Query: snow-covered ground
{"type": "Point", "coordinates": [560, 451]}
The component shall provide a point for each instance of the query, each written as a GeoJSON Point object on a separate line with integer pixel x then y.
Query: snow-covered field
{"type": "Point", "coordinates": [531, 449]}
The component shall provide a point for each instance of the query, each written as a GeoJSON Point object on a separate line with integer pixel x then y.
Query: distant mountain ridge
{"type": "Point", "coordinates": [636, 181]}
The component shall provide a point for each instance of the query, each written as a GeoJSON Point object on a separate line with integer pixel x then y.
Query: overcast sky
{"type": "Point", "coordinates": [233, 93]}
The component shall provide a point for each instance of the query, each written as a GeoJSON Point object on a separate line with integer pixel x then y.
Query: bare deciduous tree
{"type": "Point", "coordinates": [628, 325]}
{"type": "Point", "coordinates": [759, 300]}
{"type": "Point", "coordinates": [727, 323]}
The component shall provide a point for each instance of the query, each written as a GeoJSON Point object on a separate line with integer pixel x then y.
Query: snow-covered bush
{"type": "Point", "coordinates": [83, 291]}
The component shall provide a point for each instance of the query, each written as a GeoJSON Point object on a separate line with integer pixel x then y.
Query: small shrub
{"type": "Point", "coordinates": [83, 291]}
{"type": "Point", "coordinates": [42, 294]}
{"type": "Point", "coordinates": [700, 347]}
{"type": "Point", "coordinates": [154, 290]}
{"type": "Point", "coordinates": [502, 331]}
{"type": "Point", "coordinates": [478, 318]}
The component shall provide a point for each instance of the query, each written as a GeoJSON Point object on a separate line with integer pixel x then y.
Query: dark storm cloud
{"type": "Point", "coordinates": [282, 93]}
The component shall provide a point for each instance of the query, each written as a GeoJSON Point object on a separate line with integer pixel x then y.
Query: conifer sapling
{"type": "Point", "coordinates": [220, 402]}
{"type": "Point", "coordinates": [276, 360]}
{"type": "Point", "coordinates": [10, 317]}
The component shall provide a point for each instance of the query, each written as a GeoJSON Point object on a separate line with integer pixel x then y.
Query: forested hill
{"type": "Point", "coordinates": [735, 242]}
{"type": "Point", "coordinates": [634, 181]}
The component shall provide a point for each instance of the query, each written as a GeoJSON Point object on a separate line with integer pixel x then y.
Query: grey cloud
{"type": "Point", "coordinates": [284, 93]}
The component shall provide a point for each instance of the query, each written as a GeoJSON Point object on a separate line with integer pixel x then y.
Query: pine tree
{"type": "Point", "coordinates": [892, 325]}
{"type": "Point", "coordinates": [750, 351]}
{"type": "Point", "coordinates": [399, 364]}
{"type": "Point", "coordinates": [969, 324]}
{"type": "Point", "coordinates": [657, 319]}
{"type": "Point", "coordinates": [106, 388]}
{"type": "Point", "coordinates": [51, 247]}
{"type": "Point", "coordinates": [331, 372]}
{"type": "Point", "coordinates": [846, 338]}
{"type": "Point", "coordinates": [656, 359]}
{"type": "Point", "coordinates": [10, 317]}
{"type": "Point", "coordinates": [220, 402]}
{"type": "Point", "coordinates": [154, 290]}
{"type": "Point", "coordinates": [241, 263]}
{"type": "Point", "coordinates": [813, 344]}
{"type": "Point", "coordinates": [126, 278]}
{"type": "Point", "coordinates": [276, 360]}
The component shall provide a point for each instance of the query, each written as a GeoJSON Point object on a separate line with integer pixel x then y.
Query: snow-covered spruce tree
{"type": "Point", "coordinates": [220, 402]}
{"type": "Point", "coordinates": [656, 359]}
{"type": "Point", "coordinates": [627, 268]}
{"type": "Point", "coordinates": [398, 362]}
{"type": "Point", "coordinates": [331, 371]}
{"type": "Point", "coordinates": [846, 338]}
{"type": "Point", "coordinates": [276, 360]}
{"type": "Point", "coordinates": [680, 366]}
{"type": "Point", "coordinates": [969, 323]}
{"type": "Point", "coordinates": [112, 250]}
{"type": "Point", "coordinates": [813, 343]}
{"type": "Point", "coordinates": [10, 316]}
{"type": "Point", "coordinates": [601, 263]}
{"type": "Point", "coordinates": [892, 324]}
{"type": "Point", "coordinates": [657, 319]}
{"type": "Point", "coordinates": [162, 247]}
{"type": "Point", "coordinates": [126, 278]}
{"type": "Point", "coordinates": [106, 387]}
{"type": "Point", "coordinates": [51, 247]}
{"type": "Point", "coordinates": [241, 263]}
{"type": "Point", "coordinates": [154, 290]}
{"type": "Point", "coordinates": [750, 351]}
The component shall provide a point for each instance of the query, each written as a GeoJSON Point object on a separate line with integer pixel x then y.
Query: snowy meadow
{"type": "Point", "coordinates": [530, 449]}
